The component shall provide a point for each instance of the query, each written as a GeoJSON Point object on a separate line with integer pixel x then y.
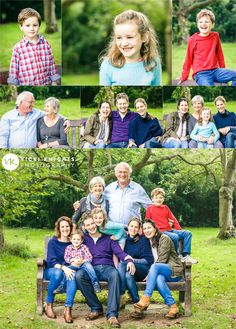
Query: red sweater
{"type": "Point", "coordinates": [160, 215]}
{"type": "Point", "coordinates": [203, 53]}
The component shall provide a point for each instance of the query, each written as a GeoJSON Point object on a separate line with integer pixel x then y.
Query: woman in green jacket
{"type": "Point", "coordinates": [167, 268]}
{"type": "Point", "coordinates": [98, 128]}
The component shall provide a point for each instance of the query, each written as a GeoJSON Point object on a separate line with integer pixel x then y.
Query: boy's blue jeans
{"type": "Point", "coordinates": [209, 77]}
{"type": "Point", "coordinates": [71, 285]}
{"type": "Point", "coordinates": [117, 145]}
{"type": "Point", "coordinates": [157, 277]}
{"type": "Point", "coordinates": [185, 236]}
{"type": "Point", "coordinates": [128, 281]}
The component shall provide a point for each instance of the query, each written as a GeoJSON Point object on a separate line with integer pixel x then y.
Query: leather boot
{"type": "Point", "coordinates": [67, 315]}
{"type": "Point", "coordinates": [173, 312]}
{"type": "Point", "coordinates": [49, 311]}
{"type": "Point", "coordinates": [143, 303]}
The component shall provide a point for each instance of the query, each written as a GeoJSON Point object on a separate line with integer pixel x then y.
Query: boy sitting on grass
{"type": "Point", "coordinates": [32, 61]}
{"type": "Point", "coordinates": [205, 55]}
{"type": "Point", "coordinates": [169, 225]}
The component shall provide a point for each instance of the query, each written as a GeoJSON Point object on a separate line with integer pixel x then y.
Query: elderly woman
{"type": "Point", "coordinates": [144, 130]}
{"type": "Point", "coordinates": [167, 268]}
{"type": "Point", "coordinates": [56, 267]}
{"type": "Point", "coordinates": [138, 247]}
{"type": "Point", "coordinates": [97, 131]}
{"type": "Point", "coordinates": [176, 133]}
{"type": "Point", "coordinates": [50, 128]}
{"type": "Point", "coordinates": [225, 122]}
{"type": "Point", "coordinates": [197, 104]}
{"type": "Point", "coordinates": [95, 199]}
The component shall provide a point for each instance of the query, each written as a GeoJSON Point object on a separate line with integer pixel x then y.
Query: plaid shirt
{"type": "Point", "coordinates": [82, 252]}
{"type": "Point", "coordinates": [32, 64]}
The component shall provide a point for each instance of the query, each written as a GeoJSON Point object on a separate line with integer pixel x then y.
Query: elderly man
{"type": "Point", "coordinates": [102, 248]}
{"type": "Point", "coordinates": [18, 127]}
{"type": "Point", "coordinates": [125, 196]}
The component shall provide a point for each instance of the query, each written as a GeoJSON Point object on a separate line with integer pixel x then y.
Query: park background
{"type": "Point", "coordinates": [50, 12]}
{"type": "Point", "coordinates": [184, 25]}
{"type": "Point", "coordinates": [87, 26]}
{"type": "Point", "coordinates": [46, 184]}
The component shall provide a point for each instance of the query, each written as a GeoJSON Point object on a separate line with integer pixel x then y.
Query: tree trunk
{"type": "Point", "coordinates": [1, 235]}
{"type": "Point", "coordinates": [168, 42]}
{"type": "Point", "coordinates": [50, 16]}
{"type": "Point", "coordinates": [226, 226]}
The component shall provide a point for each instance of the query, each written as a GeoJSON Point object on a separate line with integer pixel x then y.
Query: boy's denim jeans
{"type": "Point", "coordinates": [185, 236]}
{"type": "Point", "coordinates": [209, 77]}
{"type": "Point", "coordinates": [157, 277]}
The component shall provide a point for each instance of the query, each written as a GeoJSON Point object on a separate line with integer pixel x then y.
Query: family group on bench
{"type": "Point", "coordinates": [101, 250]}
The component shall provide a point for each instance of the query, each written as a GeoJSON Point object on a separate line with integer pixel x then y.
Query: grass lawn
{"type": "Point", "coordinates": [87, 112]}
{"type": "Point", "coordinates": [69, 108]}
{"type": "Point", "coordinates": [179, 52]}
{"type": "Point", "coordinates": [11, 34]}
{"type": "Point", "coordinates": [91, 79]}
{"type": "Point", "coordinates": [171, 107]}
{"type": "Point", "coordinates": [213, 284]}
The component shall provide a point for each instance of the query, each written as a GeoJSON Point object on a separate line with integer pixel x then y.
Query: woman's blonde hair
{"type": "Point", "coordinates": [142, 100]}
{"type": "Point", "coordinates": [149, 49]}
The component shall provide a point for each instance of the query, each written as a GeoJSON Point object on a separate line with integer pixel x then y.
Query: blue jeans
{"type": "Point", "coordinates": [231, 138]}
{"type": "Point", "coordinates": [185, 236]}
{"type": "Point", "coordinates": [71, 285]}
{"type": "Point", "coordinates": [104, 273]}
{"type": "Point", "coordinates": [216, 145]}
{"type": "Point", "coordinates": [118, 145]}
{"type": "Point", "coordinates": [172, 143]}
{"type": "Point", "coordinates": [99, 145]}
{"type": "Point", "coordinates": [157, 277]}
{"type": "Point", "coordinates": [152, 143]}
{"type": "Point", "coordinates": [204, 145]}
{"type": "Point", "coordinates": [128, 281]}
{"type": "Point", "coordinates": [208, 77]}
{"type": "Point", "coordinates": [55, 277]}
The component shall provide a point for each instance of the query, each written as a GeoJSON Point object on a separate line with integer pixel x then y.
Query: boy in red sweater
{"type": "Point", "coordinates": [205, 55]}
{"type": "Point", "coordinates": [168, 224]}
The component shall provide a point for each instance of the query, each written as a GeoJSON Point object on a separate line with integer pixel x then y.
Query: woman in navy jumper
{"type": "Point", "coordinates": [144, 130]}
{"type": "Point", "coordinates": [138, 247]}
{"type": "Point", "coordinates": [225, 122]}
{"type": "Point", "coordinates": [56, 267]}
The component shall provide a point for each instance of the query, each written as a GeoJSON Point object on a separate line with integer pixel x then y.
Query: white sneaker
{"type": "Point", "coordinates": [189, 259]}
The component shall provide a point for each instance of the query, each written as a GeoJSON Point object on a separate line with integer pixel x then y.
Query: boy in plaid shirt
{"type": "Point", "coordinates": [79, 257]}
{"type": "Point", "coordinates": [32, 61]}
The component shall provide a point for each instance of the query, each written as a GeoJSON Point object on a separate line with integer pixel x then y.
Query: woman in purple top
{"type": "Point", "coordinates": [56, 267]}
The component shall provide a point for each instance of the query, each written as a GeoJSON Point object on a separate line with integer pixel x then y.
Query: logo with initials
{"type": "Point", "coordinates": [10, 161]}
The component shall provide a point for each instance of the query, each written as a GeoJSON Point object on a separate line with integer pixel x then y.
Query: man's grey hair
{"type": "Point", "coordinates": [123, 164]}
{"type": "Point", "coordinates": [21, 97]}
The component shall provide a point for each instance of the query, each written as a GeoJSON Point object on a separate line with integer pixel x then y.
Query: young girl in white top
{"type": "Point", "coordinates": [205, 131]}
{"type": "Point", "coordinates": [132, 57]}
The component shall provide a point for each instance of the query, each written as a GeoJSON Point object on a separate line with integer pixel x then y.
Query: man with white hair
{"type": "Point", "coordinates": [125, 196]}
{"type": "Point", "coordinates": [18, 127]}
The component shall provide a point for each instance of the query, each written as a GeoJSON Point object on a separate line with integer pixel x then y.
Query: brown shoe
{"type": "Point", "coordinates": [173, 312]}
{"type": "Point", "coordinates": [93, 316]}
{"type": "Point", "coordinates": [142, 304]}
{"type": "Point", "coordinates": [113, 321]}
{"type": "Point", "coordinates": [49, 311]}
{"type": "Point", "coordinates": [67, 315]}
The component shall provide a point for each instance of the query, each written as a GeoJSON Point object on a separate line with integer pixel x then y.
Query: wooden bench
{"type": "Point", "coordinates": [190, 83]}
{"type": "Point", "coordinates": [184, 287]}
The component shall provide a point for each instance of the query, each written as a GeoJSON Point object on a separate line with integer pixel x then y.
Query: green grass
{"type": "Point", "coordinates": [91, 79]}
{"type": "Point", "coordinates": [11, 34]}
{"type": "Point", "coordinates": [179, 52]}
{"type": "Point", "coordinates": [87, 112]}
{"type": "Point", "coordinates": [69, 108]}
{"type": "Point", "coordinates": [213, 283]}
{"type": "Point", "coordinates": [171, 107]}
